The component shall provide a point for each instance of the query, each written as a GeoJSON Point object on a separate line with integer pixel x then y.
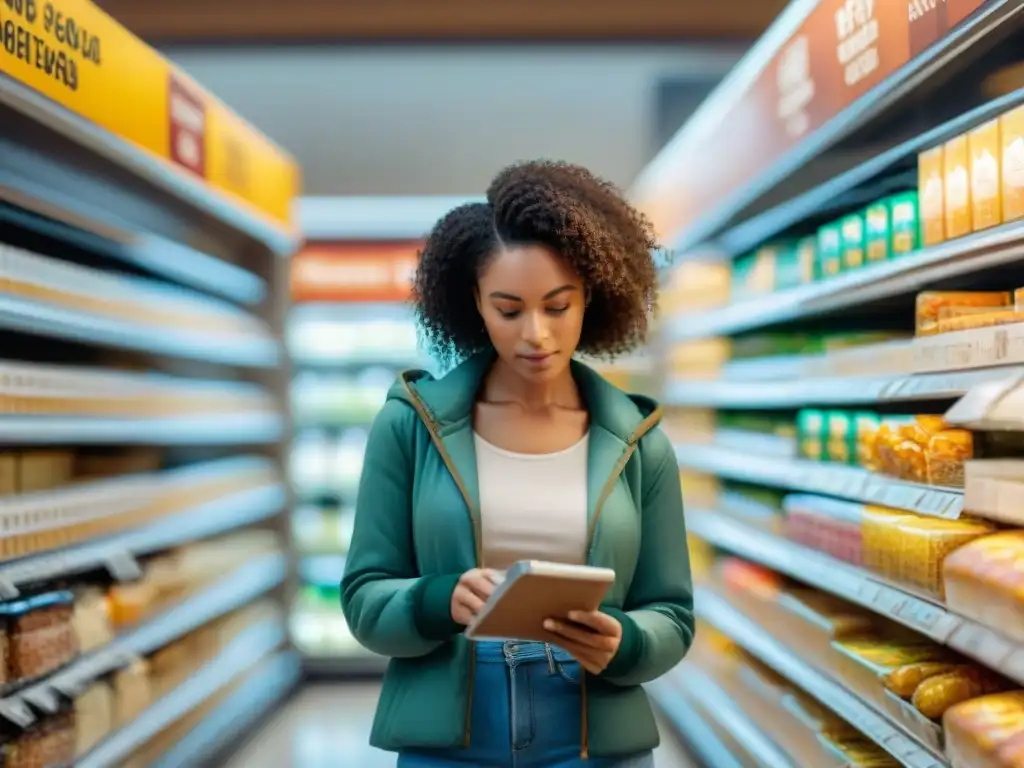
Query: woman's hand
{"type": "Point", "coordinates": [591, 637]}
{"type": "Point", "coordinates": [471, 593]}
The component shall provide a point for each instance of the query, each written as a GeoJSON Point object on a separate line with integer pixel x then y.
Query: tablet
{"type": "Point", "coordinates": [533, 591]}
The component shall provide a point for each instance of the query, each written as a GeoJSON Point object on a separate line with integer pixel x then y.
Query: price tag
{"type": "Point", "coordinates": [1013, 667]}
{"type": "Point", "coordinates": [7, 589]}
{"type": "Point", "coordinates": [982, 644]}
{"type": "Point", "coordinates": [123, 566]}
{"type": "Point", "coordinates": [17, 712]}
{"type": "Point", "coordinates": [43, 698]}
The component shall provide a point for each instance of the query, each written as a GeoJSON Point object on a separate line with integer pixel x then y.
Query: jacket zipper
{"type": "Point", "coordinates": [645, 426]}
{"type": "Point", "coordinates": [431, 426]}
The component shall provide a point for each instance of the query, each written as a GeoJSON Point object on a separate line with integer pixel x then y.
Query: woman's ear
{"type": "Point", "coordinates": [476, 298]}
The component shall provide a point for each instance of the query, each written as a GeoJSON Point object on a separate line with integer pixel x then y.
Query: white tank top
{"type": "Point", "coordinates": [532, 506]}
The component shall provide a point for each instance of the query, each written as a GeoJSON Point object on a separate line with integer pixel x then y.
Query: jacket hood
{"type": "Point", "coordinates": [448, 401]}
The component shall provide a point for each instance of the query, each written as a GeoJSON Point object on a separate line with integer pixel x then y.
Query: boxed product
{"type": "Point", "coordinates": [986, 732]}
{"type": "Point", "coordinates": [1011, 129]}
{"type": "Point", "coordinates": [957, 187]}
{"type": "Point", "coordinates": [878, 231]}
{"type": "Point", "coordinates": [985, 582]}
{"type": "Point", "coordinates": [931, 196]}
{"type": "Point", "coordinates": [905, 223]}
{"type": "Point", "coordinates": [825, 525]}
{"type": "Point", "coordinates": [935, 309]}
{"type": "Point", "coordinates": [986, 175]}
{"type": "Point", "coordinates": [852, 229]}
{"type": "Point", "coordinates": [830, 251]}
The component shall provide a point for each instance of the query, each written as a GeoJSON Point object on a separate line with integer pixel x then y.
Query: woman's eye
{"type": "Point", "coordinates": [558, 310]}
{"type": "Point", "coordinates": [509, 314]}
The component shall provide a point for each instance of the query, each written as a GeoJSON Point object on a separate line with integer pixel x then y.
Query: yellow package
{"type": "Point", "coordinates": [937, 694]}
{"type": "Point", "coordinates": [977, 728]}
{"type": "Point", "coordinates": [984, 581]}
{"type": "Point", "coordinates": [945, 456]}
{"type": "Point", "coordinates": [880, 540]}
{"type": "Point", "coordinates": [866, 427]}
{"type": "Point", "coordinates": [925, 542]}
{"type": "Point", "coordinates": [986, 175]}
{"type": "Point", "coordinates": [935, 306]}
{"type": "Point", "coordinates": [957, 180]}
{"type": "Point", "coordinates": [1011, 129]}
{"type": "Point", "coordinates": [932, 198]}
{"type": "Point", "coordinates": [904, 680]}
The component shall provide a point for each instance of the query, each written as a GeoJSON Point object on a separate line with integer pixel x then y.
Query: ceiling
{"type": "Point", "coordinates": [265, 21]}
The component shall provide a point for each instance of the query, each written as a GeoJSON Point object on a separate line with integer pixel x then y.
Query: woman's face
{"type": "Point", "coordinates": [532, 305]}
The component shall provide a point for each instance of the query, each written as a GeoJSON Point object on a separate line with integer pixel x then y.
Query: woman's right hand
{"type": "Point", "coordinates": [471, 593]}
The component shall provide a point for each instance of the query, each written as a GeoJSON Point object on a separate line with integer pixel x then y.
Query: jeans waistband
{"type": "Point", "coordinates": [513, 652]}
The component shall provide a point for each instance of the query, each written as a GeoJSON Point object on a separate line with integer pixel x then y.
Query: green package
{"type": "Point", "coordinates": [852, 228]}
{"type": "Point", "coordinates": [840, 437]}
{"type": "Point", "coordinates": [830, 252]}
{"type": "Point", "coordinates": [806, 254]}
{"type": "Point", "coordinates": [904, 214]}
{"type": "Point", "coordinates": [878, 232]}
{"type": "Point", "coordinates": [810, 432]}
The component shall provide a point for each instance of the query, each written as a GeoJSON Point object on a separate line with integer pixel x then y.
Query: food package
{"type": "Point", "coordinates": [811, 434]}
{"type": "Point", "coordinates": [978, 730]}
{"type": "Point", "coordinates": [852, 230]}
{"type": "Point", "coordinates": [932, 196]}
{"type": "Point", "coordinates": [94, 715]}
{"type": "Point", "coordinates": [938, 693]}
{"type": "Point", "coordinates": [1011, 129]}
{"type": "Point", "coordinates": [825, 525]}
{"type": "Point", "coordinates": [865, 427]}
{"type": "Point", "coordinates": [92, 620]}
{"type": "Point", "coordinates": [906, 223]}
{"type": "Point", "coordinates": [41, 635]}
{"type": "Point", "coordinates": [880, 539]}
{"type": "Point", "coordinates": [50, 741]}
{"type": "Point", "coordinates": [945, 457]}
{"type": "Point", "coordinates": [935, 307]}
{"type": "Point", "coordinates": [830, 251]}
{"type": "Point", "coordinates": [957, 180]}
{"type": "Point", "coordinates": [878, 231]}
{"type": "Point", "coordinates": [984, 581]}
{"type": "Point", "coordinates": [904, 681]}
{"type": "Point", "coordinates": [131, 692]}
{"type": "Point", "coordinates": [985, 147]}
{"type": "Point", "coordinates": [857, 752]}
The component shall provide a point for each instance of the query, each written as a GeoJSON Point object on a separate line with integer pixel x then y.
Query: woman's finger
{"type": "Point", "coordinates": [600, 622]}
{"type": "Point", "coordinates": [584, 637]}
{"type": "Point", "coordinates": [480, 585]}
{"type": "Point", "coordinates": [470, 602]}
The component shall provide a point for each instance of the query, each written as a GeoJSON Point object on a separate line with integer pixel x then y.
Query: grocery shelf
{"type": "Point", "coordinates": [27, 160]}
{"type": "Point", "coordinates": [354, 665]}
{"type": "Point", "coordinates": [907, 750]}
{"type": "Point", "coordinates": [117, 553]}
{"type": "Point", "coordinates": [705, 693]}
{"type": "Point", "coordinates": [839, 390]}
{"type": "Point", "coordinates": [208, 429]}
{"type": "Point", "coordinates": [240, 655]}
{"type": "Point", "coordinates": [239, 588]}
{"type": "Point", "coordinates": [693, 730]}
{"type": "Point", "coordinates": [34, 317]}
{"type": "Point", "coordinates": [262, 691]}
{"type": "Point", "coordinates": [918, 612]}
{"type": "Point", "coordinates": [821, 477]}
{"type": "Point", "coordinates": [904, 276]}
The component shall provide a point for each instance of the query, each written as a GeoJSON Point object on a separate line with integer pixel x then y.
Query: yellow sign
{"type": "Point", "coordinates": [76, 55]}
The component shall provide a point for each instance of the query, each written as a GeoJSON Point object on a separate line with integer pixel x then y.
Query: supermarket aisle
{"type": "Point", "coordinates": [327, 727]}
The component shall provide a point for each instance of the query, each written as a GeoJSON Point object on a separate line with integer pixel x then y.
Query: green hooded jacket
{"type": "Point", "coordinates": [417, 529]}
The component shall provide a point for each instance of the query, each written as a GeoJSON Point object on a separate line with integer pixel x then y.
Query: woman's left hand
{"type": "Point", "coordinates": [591, 637]}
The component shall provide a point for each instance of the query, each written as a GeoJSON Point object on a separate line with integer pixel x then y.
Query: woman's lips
{"type": "Point", "coordinates": [538, 359]}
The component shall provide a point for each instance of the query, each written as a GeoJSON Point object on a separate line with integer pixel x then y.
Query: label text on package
{"type": "Point", "coordinates": [43, 36]}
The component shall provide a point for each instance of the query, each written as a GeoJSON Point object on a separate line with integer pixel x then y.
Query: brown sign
{"type": "Point", "coordinates": [842, 50]}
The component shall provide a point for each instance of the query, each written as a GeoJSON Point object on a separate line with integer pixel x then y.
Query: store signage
{"type": "Point", "coordinates": [348, 272]}
{"type": "Point", "coordinates": [80, 58]}
{"type": "Point", "coordinates": [842, 50]}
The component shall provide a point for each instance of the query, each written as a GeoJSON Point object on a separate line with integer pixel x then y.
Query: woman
{"type": "Point", "coordinates": [520, 452]}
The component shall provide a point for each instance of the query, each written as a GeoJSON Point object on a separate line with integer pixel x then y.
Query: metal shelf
{"type": "Point", "coordinates": [702, 690]}
{"type": "Point", "coordinates": [262, 691]}
{"type": "Point", "coordinates": [920, 613]}
{"type": "Point", "coordinates": [244, 652]}
{"type": "Point", "coordinates": [210, 429]}
{"type": "Point", "coordinates": [693, 730]}
{"type": "Point", "coordinates": [37, 318]}
{"type": "Point", "coordinates": [247, 583]}
{"type": "Point", "coordinates": [798, 393]}
{"type": "Point", "coordinates": [117, 553]}
{"type": "Point", "coordinates": [907, 750]}
{"type": "Point", "coordinates": [819, 477]}
{"type": "Point", "coordinates": [904, 276]}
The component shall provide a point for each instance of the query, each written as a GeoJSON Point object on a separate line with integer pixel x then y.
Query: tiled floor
{"type": "Point", "coordinates": [327, 727]}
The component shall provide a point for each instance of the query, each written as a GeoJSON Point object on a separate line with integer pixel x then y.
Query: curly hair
{"type": "Point", "coordinates": [586, 220]}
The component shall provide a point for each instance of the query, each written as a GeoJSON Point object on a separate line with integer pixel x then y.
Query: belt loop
{"type": "Point", "coordinates": [551, 658]}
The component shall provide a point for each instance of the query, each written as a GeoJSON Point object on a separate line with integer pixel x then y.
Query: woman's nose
{"type": "Point", "coordinates": [535, 329]}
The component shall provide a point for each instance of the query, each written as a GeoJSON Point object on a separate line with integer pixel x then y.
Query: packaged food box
{"type": "Point", "coordinates": [826, 525]}
{"type": "Point", "coordinates": [957, 176]}
{"type": "Point", "coordinates": [936, 306]}
{"type": "Point", "coordinates": [811, 431]}
{"type": "Point", "coordinates": [1011, 130]}
{"type": "Point", "coordinates": [806, 257]}
{"type": "Point", "coordinates": [865, 429]}
{"type": "Point", "coordinates": [931, 196]}
{"type": "Point", "coordinates": [985, 148]}
{"type": "Point", "coordinates": [924, 543]}
{"type": "Point", "coordinates": [841, 439]}
{"type": "Point", "coordinates": [984, 581]}
{"type": "Point", "coordinates": [878, 231]}
{"type": "Point", "coordinates": [978, 729]}
{"type": "Point", "coordinates": [852, 228]}
{"type": "Point", "coordinates": [830, 251]}
{"type": "Point", "coordinates": [905, 223]}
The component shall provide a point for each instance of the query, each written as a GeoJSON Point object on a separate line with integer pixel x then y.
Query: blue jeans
{"type": "Point", "coordinates": [526, 714]}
